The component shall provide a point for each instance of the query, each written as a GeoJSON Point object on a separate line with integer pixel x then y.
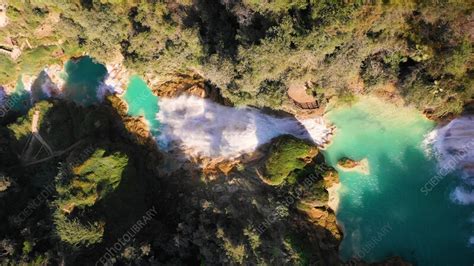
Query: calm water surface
{"type": "Point", "coordinates": [385, 213]}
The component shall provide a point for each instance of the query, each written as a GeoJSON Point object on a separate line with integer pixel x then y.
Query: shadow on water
{"type": "Point", "coordinates": [83, 77]}
{"type": "Point", "coordinates": [19, 99]}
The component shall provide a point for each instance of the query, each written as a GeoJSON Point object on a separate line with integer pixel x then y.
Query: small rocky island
{"type": "Point", "coordinates": [347, 164]}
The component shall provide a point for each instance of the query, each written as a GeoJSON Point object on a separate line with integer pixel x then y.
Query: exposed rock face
{"type": "Point", "coordinates": [362, 166]}
{"type": "Point", "coordinates": [54, 73]}
{"type": "Point", "coordinates": [136, 128]}
{"type": "Point", "coordinates": [192, 84]}
{"type": "Point", "coordinates": [48, 26]}
{"type": "Point", "coordinates": [117, 74]}
{"type": "Point", "coordinates": [27, 81]}
{"type": "Point", "coordinates": [117, 77]}
{"type": "Point", "coordinates": [323, 213]}
{"type": "Point", "coordinates": [347, 163]}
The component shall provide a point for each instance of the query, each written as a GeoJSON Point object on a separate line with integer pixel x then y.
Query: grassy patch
{"type": "Point", "coordinates": [34, 60]}
{"type": "Point", "coordinates": [7, 70]}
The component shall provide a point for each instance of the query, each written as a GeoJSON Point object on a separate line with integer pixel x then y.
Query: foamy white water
{"type": "Point", "coordinates": [48, 87]}
{"type": "Point", "coordinates": [453, 146]}
{"type": "Point", "coordinates": [103, 90]}
{"type": "Point", "coordinates": [462, 195]}
{"type": "Point", "coordinates": [213, 130]}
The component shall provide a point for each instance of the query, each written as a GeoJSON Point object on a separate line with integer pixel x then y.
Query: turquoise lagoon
{"type": "Point", "coordinates": [385, 213]}
{"type": "Point", "coordinates": [142, 102]}
{"type": "Point", "coordinates": [83, 77]}
{"type": "Point", "coordinates": [20, 98]}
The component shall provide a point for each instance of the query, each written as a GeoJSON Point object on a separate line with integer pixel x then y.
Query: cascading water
{"type": "Point", "coordinates": [209, 129]}
{"type": "Point", "coordinates": [453, 146]}
{"type": "Point", "coordinates": [402, 205]}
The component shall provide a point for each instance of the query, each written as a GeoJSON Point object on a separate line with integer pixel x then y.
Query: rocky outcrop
{"type": "Point", "coordinates": [5, 182]}
{"type": "Point", "coordinates": [117, 74]}
{"type": "Point", "coordinates": [347, 164]}
{"type": "Point", "coordinates": [54, 73]}
{"type": "Point", "coordinates": [136, 128]}
{"type": "Point", "coordinates": [298, 94]}
{"type": "Point", "coordinates": [323, 213]}
{"type": "Point", "coordinates": [192, 84]}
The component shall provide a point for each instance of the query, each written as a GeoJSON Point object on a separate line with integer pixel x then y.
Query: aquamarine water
{"type": "Point", "coordinates": [384, 213]}
{"type": "Point", "coordinates": [20, 98]}
{"type": "Point", "coordinates": [83, 78]}
{"type": "Point", "coordinates": [142, 102]}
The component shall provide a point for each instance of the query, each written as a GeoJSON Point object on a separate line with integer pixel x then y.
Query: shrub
{"type": "Point", "coordinates": [93, 180]}
{"type": "Point", "coordinates": [74, 233]}
{"type": "Point", "coordinates": [287, 159]}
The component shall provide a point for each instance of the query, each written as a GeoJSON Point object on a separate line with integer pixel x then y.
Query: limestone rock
{"type": "Point", "coordinates": [192, 84]}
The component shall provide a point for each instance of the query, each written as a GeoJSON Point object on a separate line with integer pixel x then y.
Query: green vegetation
{"type": "Point", "coordinates": [253, 50]}
{"type": "Point", "coordinates": [300, 255]}
{"type": "Point", "coordinates": [22, 127]}
{"type": "Point", "coordinates": [75, 233]}
{"type": "Point", "coordinates": [34, 60]}
{"type": "Point", "coordinates": [235, 252]}
{"type": "Point", "coordinates": [7, 69]}
{"type": "Point", "coordinates": [85, 199]}
{"type": "Point", "coordinates": [287, 159]}
{"type": "Point", "coordinates": [91, 181]}
{"type": "Point", "coordinates": [27, 247]}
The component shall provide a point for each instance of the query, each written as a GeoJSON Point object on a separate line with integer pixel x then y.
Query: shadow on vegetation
{"type": "Point", "coordinates": [196, 221]}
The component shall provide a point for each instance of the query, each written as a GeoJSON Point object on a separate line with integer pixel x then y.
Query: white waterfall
{"type": "Point", "coordinates": [453, 146]}
{"type": "Point", "coordinates": [209, 129]}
